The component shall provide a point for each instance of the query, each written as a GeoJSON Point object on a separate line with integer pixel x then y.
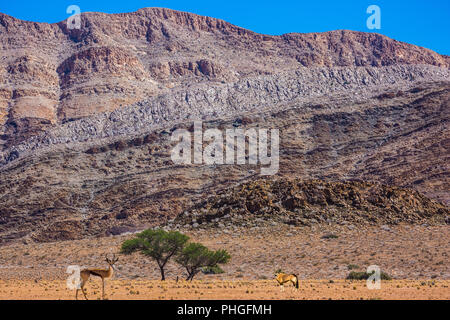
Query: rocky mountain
{"type": "Point", "coordinates": [87, 116]}
{"type": "Point", "coordinates": [51, 74]}
{"type": "Point", "coordinates": [396, 137]}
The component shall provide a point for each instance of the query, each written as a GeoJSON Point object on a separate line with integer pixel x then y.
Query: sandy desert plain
{"type": "Point", "coordinates": [86, 122]}
{"type": "Point", "coordinates": [415, 256]}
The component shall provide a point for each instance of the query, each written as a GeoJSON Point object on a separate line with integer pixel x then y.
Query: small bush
{"type": "Point", "coordinates": [352, 266]}
{"type": "Point", "coordinates": [212, 270]}
{"type": "Point", "coordinates": [278, 271]}
{"type": "Point", "coordinates": [330, 236]}
{"type": "Point", "coordinates": [356, 275]}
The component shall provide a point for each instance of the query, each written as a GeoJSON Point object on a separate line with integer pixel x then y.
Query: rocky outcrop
{"type": "Point", "coordinates": [203, 67]}
{"type": "Point", "coordinates": [297, 202]}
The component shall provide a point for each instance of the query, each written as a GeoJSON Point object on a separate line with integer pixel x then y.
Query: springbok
{"type": "Point", "coordinates": [102, 273]}
{"type": "Point", "coordinates": [283, 278]}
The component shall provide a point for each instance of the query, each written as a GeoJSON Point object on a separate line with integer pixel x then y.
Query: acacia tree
{"type": "Point", "coordinates": [159, 245]}
{"type": "Point", "coordinates": [196, 256]}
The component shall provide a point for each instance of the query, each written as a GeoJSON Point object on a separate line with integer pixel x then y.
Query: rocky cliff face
{"type": "Point", "coordinates": [212, 101]}
{"type": "Point", "coordinates": [398, 137]}
{"type": "Point", "coordinates": [86, 117]}
{"type": "Point", "coordinates": [51, 74]}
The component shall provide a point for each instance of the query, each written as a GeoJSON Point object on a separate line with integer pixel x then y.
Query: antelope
{"type": "Point", "coordinates": [283, 278]}
{"type": "Point", "coordinates": [102, 273]}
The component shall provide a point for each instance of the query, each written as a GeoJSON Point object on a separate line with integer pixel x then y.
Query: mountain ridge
{"type": "Point", "coordinates": [86, 116]}
{"type": "Point", "coordinates": [52, 74]}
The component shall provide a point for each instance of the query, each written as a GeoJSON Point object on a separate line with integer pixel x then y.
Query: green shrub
{"type": "Point", "coordinates": [362, 275]}
{"type": "Point", "coordinates": [352, 266]}
{"type": "Point", "coordinates": [212, 270]}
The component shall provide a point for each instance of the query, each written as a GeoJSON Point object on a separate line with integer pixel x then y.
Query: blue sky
{"type": "Point", "coordinates": [424, 23]}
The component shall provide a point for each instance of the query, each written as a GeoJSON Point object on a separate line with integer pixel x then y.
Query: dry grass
{"type": "Point", "coordinates": [417, 253]}
{"type": "Point", "coordinates": [237, 289]}
{"type": "Point", "coordinates": [405, 252]}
